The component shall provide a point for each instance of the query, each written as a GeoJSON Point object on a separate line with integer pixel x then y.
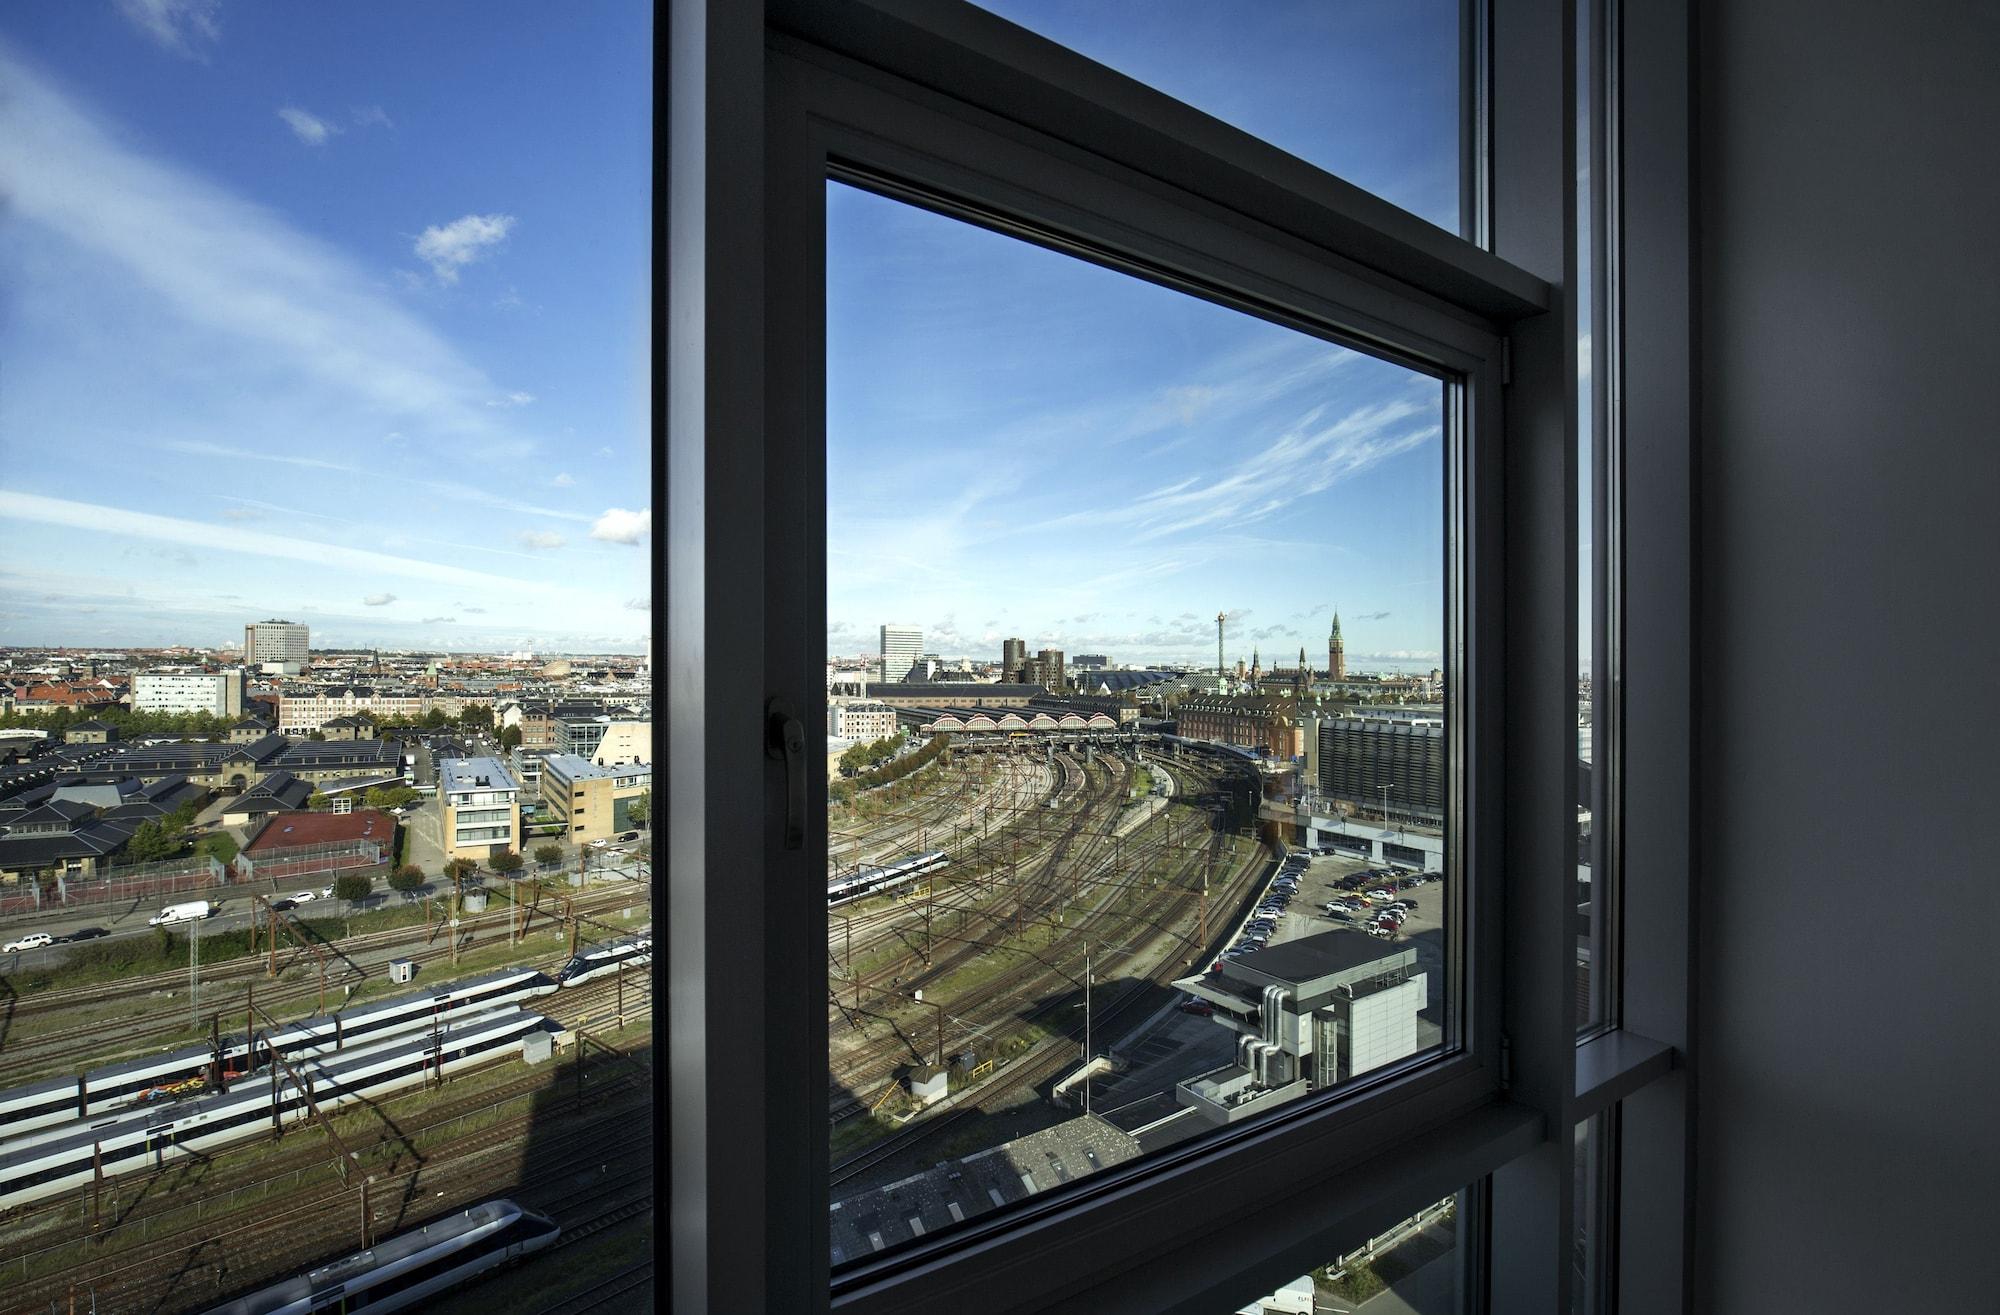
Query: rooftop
{"type": "Point", "coordinates": [570, 767]}
{"type": "Point", "coordinates": [459, 774]}
{"type": "Point", "coordinates": [287, 830]}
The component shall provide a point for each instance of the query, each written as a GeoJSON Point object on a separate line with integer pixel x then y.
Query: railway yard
{"type": "Point", "coordinates": [1123, 868]}
{"type": "Point", "coordinates": [219, 1214]}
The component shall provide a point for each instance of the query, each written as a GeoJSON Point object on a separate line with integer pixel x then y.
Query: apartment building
{"type": "Point", "coordinates": [480, 806]}
{"type": "Point", "coordinates": [218, 693]}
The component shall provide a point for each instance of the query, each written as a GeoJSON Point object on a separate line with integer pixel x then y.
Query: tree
{"type": "Point", "coordinates": [434, 720]}
{"type": "Point", "coordinates": [641, 811]}
{"type": "Point", "coordinates": [315, 735]}
{"type": "Point", "coordinates": [460, 868]}
{"type": "Point", "coordinates": [548, 855]}
{"type": "Point", "coordinates": [506, 862]}
{"type": "Point", "coordinates": [319, 802]}
{"type": "Point", "coordinates": [510, 737]}
{"type": "Point", "coordinates": [406, 879]}
{"type": "Point", "coordinates": [352, 888]}
{"type": "Point", "coordinates": [151, 843]}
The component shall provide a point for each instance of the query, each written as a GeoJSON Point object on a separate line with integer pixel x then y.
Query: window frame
{"type": "Point", "coordinates": [747, 1142]}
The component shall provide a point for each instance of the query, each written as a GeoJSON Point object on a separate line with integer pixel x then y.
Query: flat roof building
{"type": "Point", "coordinates": [480, 807]}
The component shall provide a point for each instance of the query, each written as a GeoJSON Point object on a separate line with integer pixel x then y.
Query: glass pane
{"type": "Point", "coordinates": [324, 751]}
{"type": "Point", "coordinates": [1595, 973]}
{"type": "Point", "coordinates": [1370, 91]}
{"type": "Point", "coordinates": [1413, 1268]}
{"type": "Point", "coordinates": [1590, 1291]}
{"type": "Point", "coordinates": [1101, 877]}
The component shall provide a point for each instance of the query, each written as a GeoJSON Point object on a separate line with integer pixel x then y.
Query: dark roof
{"type": "Point", "coordinates": [318, 754]}
{"type": "Point", "coordinates": [257, 722]}
{"type": "Point", "coordinates": [1312, 957]}
{"type": "Point", "coordinates": [93, 725]}
{"type": "Point", "coordinates": [943, 691]}
{"type": "Point", "coordinates": [69, 812]}
{"type": "Point", "coordinates": [1119, 681]}
{"type": "Point", "coordinates": [95, 840]}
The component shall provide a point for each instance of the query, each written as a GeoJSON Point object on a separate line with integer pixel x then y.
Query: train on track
{"type": "Point", "coordinates": [186, 1070]}
{"type": "Point", "coordinates": [40, 1166]}
{"type": "Point", "coordinates": [407, 1269]}
{"type": "Point", "coordinates": [874, 880]}
{"type": "Point", "coordinates": [601, 960]}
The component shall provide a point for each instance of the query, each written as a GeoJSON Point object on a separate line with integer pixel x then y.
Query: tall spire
{"type": "Point", "coordinates": [1336, 651]}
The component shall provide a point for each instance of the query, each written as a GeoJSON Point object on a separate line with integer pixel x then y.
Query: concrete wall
{"type": "Point", "coordinates": [1849, 492]}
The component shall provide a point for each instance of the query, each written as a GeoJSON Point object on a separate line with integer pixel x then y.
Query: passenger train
{"type": "Point", "coordinates": [185, 1071]}
{"type": "Point", "coordinates": [39, 1166]}
{"type": "Point", "coordinates": [874, 880]}
{"type": "Point", "coordinates": [599, 960]}
{"type": "Point", "coordinates": [407, 1269]}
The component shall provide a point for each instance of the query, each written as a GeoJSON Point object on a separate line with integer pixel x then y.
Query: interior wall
{"type": "Point", "coordinates": [1848, 973]}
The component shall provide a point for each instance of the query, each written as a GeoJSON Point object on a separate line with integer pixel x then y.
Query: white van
{"type": "Point", "coordinates": [192, 911]}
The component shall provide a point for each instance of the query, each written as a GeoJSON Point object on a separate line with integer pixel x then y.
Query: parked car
{"type": "Point", "coordinates": [305, 896]}
{"type": "Point", "coordinates": [32, 941]}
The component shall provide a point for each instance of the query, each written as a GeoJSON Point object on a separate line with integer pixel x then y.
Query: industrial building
{"type": "Point", "coordinates": [1360, 757]}
{"type": "Point", "coordinates": [1309, 1014]}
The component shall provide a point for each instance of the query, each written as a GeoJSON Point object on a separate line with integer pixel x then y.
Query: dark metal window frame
{"type": "Point", "coordinates": [952, 104]}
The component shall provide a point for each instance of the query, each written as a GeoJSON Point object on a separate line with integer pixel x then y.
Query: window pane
{"type": "Point", "coordinates": [1102, 876]}
{"type": "Point", "coordinates": [1595, 1202]}
{"type": "Point", "coordinates": [325, 591]}
{"type": "Point", "coordinates": [1413, 1268]}
{"type": "Point", "coordinates": [1370, 91]}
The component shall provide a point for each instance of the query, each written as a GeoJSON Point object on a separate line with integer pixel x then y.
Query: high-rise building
{"type": "Point", "coordinates": [281, 643]}
{"type": "Point", "coordinates": [1046, 669]}
{"type": "Point", "coordinates": [1013, 656]}
{"type": "Point", "coordinates": [901, 647]}
{"type": "Point", "coordinates": [1336, 652]}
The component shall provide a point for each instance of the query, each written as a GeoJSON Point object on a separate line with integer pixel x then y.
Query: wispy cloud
{"type": "Point", "coordinates": [513, 399]}
{"type": "Point", "coordinates": [371, 116]}
{"type": "Point", "coordinates": [437, 620]}
{"type": "Point", "coordinates": [541, 539]}
{"type": "Point", "coordinates": [638, 604]}
{"type": "Point", "coordinates": [308, 128]}
{"type": "Point", "coordinates": [444, 488]}
{"type": "Point", "coordinates": [448, 248]}
{"type": "Point", "coordinates": [620, 526]}
{"type": "Point", "coordinates": [287, 303]}
{"type": "Point", "coordinates": [99, 519]}
{"type": "Point", "coordinates": [378, 600]}
{"type": "Point", "coordinates": [181, 26]}
{"type": "Point", "coordinates": [563, 480]}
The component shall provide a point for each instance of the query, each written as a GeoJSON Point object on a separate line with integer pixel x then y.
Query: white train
{"type": "Point", "coordinates": [405, 1270]}
{"type": "Point", "coordinates": [184, 1071]}
{"type": "Point", "coordinates": [600, 960]}
{"type": "Point", "coordinates": [873, 881]}
{"type": "Point", "coordinates": [50, 1163]}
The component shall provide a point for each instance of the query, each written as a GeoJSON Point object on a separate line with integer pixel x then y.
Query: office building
{"type": "Point", "coordinates": [901, 647]}
{"type": "Point", "coordinates": [1013, 656]}
{"type": "Point", "coordinates": [1045, 669]}
{"type": "Point", "coordinates": [603, 739]}
{"type": "Point", "coordinates": [591, 802]}
{"type": "Point", "coordinates": [280, 646]}
{"type": "Point", "coordinates": [218, 693]}
{"type": "Point", "coordinates": [481, 808]}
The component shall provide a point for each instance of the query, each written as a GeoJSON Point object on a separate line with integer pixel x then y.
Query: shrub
{"type": "Point", "coordinates": [406, 878]}
{"type": "Point", "coordinates": [353, 888]}
{"type": "Point", "coordinates": [548, 855]}
{"type": "Point", "coordinates": [505, 862]}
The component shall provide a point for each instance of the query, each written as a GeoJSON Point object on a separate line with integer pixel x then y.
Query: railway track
{"type": "Point", "coordinates": [1028, 991]}
{"type": "Point", "coordinates": [65, 1051]}
{"type": "Point", "coordinates": [161, 1272]}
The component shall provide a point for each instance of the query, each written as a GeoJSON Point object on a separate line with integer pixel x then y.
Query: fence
{"type": "Point", "coordinates": [370, 857]}
{"type": "Point", "coordinates": [141, 881]}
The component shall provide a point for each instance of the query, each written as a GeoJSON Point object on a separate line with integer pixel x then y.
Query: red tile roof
{"type": "Point", "coordinates": [287, 830]}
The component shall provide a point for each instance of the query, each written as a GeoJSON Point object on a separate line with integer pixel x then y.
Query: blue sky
{"type": "Point", "coordinates": [335, 312]}
{"type": "Point", "coordinates": [1025, 445]}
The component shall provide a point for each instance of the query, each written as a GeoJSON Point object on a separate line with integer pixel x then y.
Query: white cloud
{"type": "Point", "coordinates": [309, 128]}
{"type": "Point", "coordinates": [371, 116]}
{"type": "Point", "coordinates": [378, 600]}
{"type": "Point", "coordinates": [620, 526]}
{"type": "Point", "coordinates": [285, 302]}
{"type": "Point", "coordinates": [604, 452]}
{"type": "Point", "coordinates": [177, 25]}
{"type": "Point", "coordinates": [638, 604]}
{"type": "Point", "coordinates": [563, 480]}
{"type": "Point", "coordinates": [448, 248]}
{"type": "Point", "coordinates": [542, 539]}
{"type": "Point", "coordinates": [513, 399]}
{"type": "Point", "coordinates": [436, 620]}
{"type": "Point", "coordinates": [444, 488]}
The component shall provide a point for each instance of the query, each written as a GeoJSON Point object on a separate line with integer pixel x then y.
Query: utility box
{"type": "Point", "coordinates": [576, 878]}
{"type": "Point", "coordinates": [537, 1047]}
{"type": "Point", "coordinates": [928, 1086]}
{"type": "Point", "coordinates": [474, 901]}
{"type": "Point", "coordinates": [402, 970]}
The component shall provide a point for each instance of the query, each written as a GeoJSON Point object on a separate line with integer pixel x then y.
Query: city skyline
{"type": "Point", "coordinates": [338, 315]}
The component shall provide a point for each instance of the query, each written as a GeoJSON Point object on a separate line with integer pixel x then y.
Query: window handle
{"type": "Point", "coordinates": [785, 738]}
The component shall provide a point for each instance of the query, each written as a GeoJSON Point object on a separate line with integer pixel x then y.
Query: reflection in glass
{"type": "Point", "coordinates": [1102, 876]}
{"type": "Point", "coordinates": [1369, 92]}
{"type": "Point", "coordinates": [1411, 1268]}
